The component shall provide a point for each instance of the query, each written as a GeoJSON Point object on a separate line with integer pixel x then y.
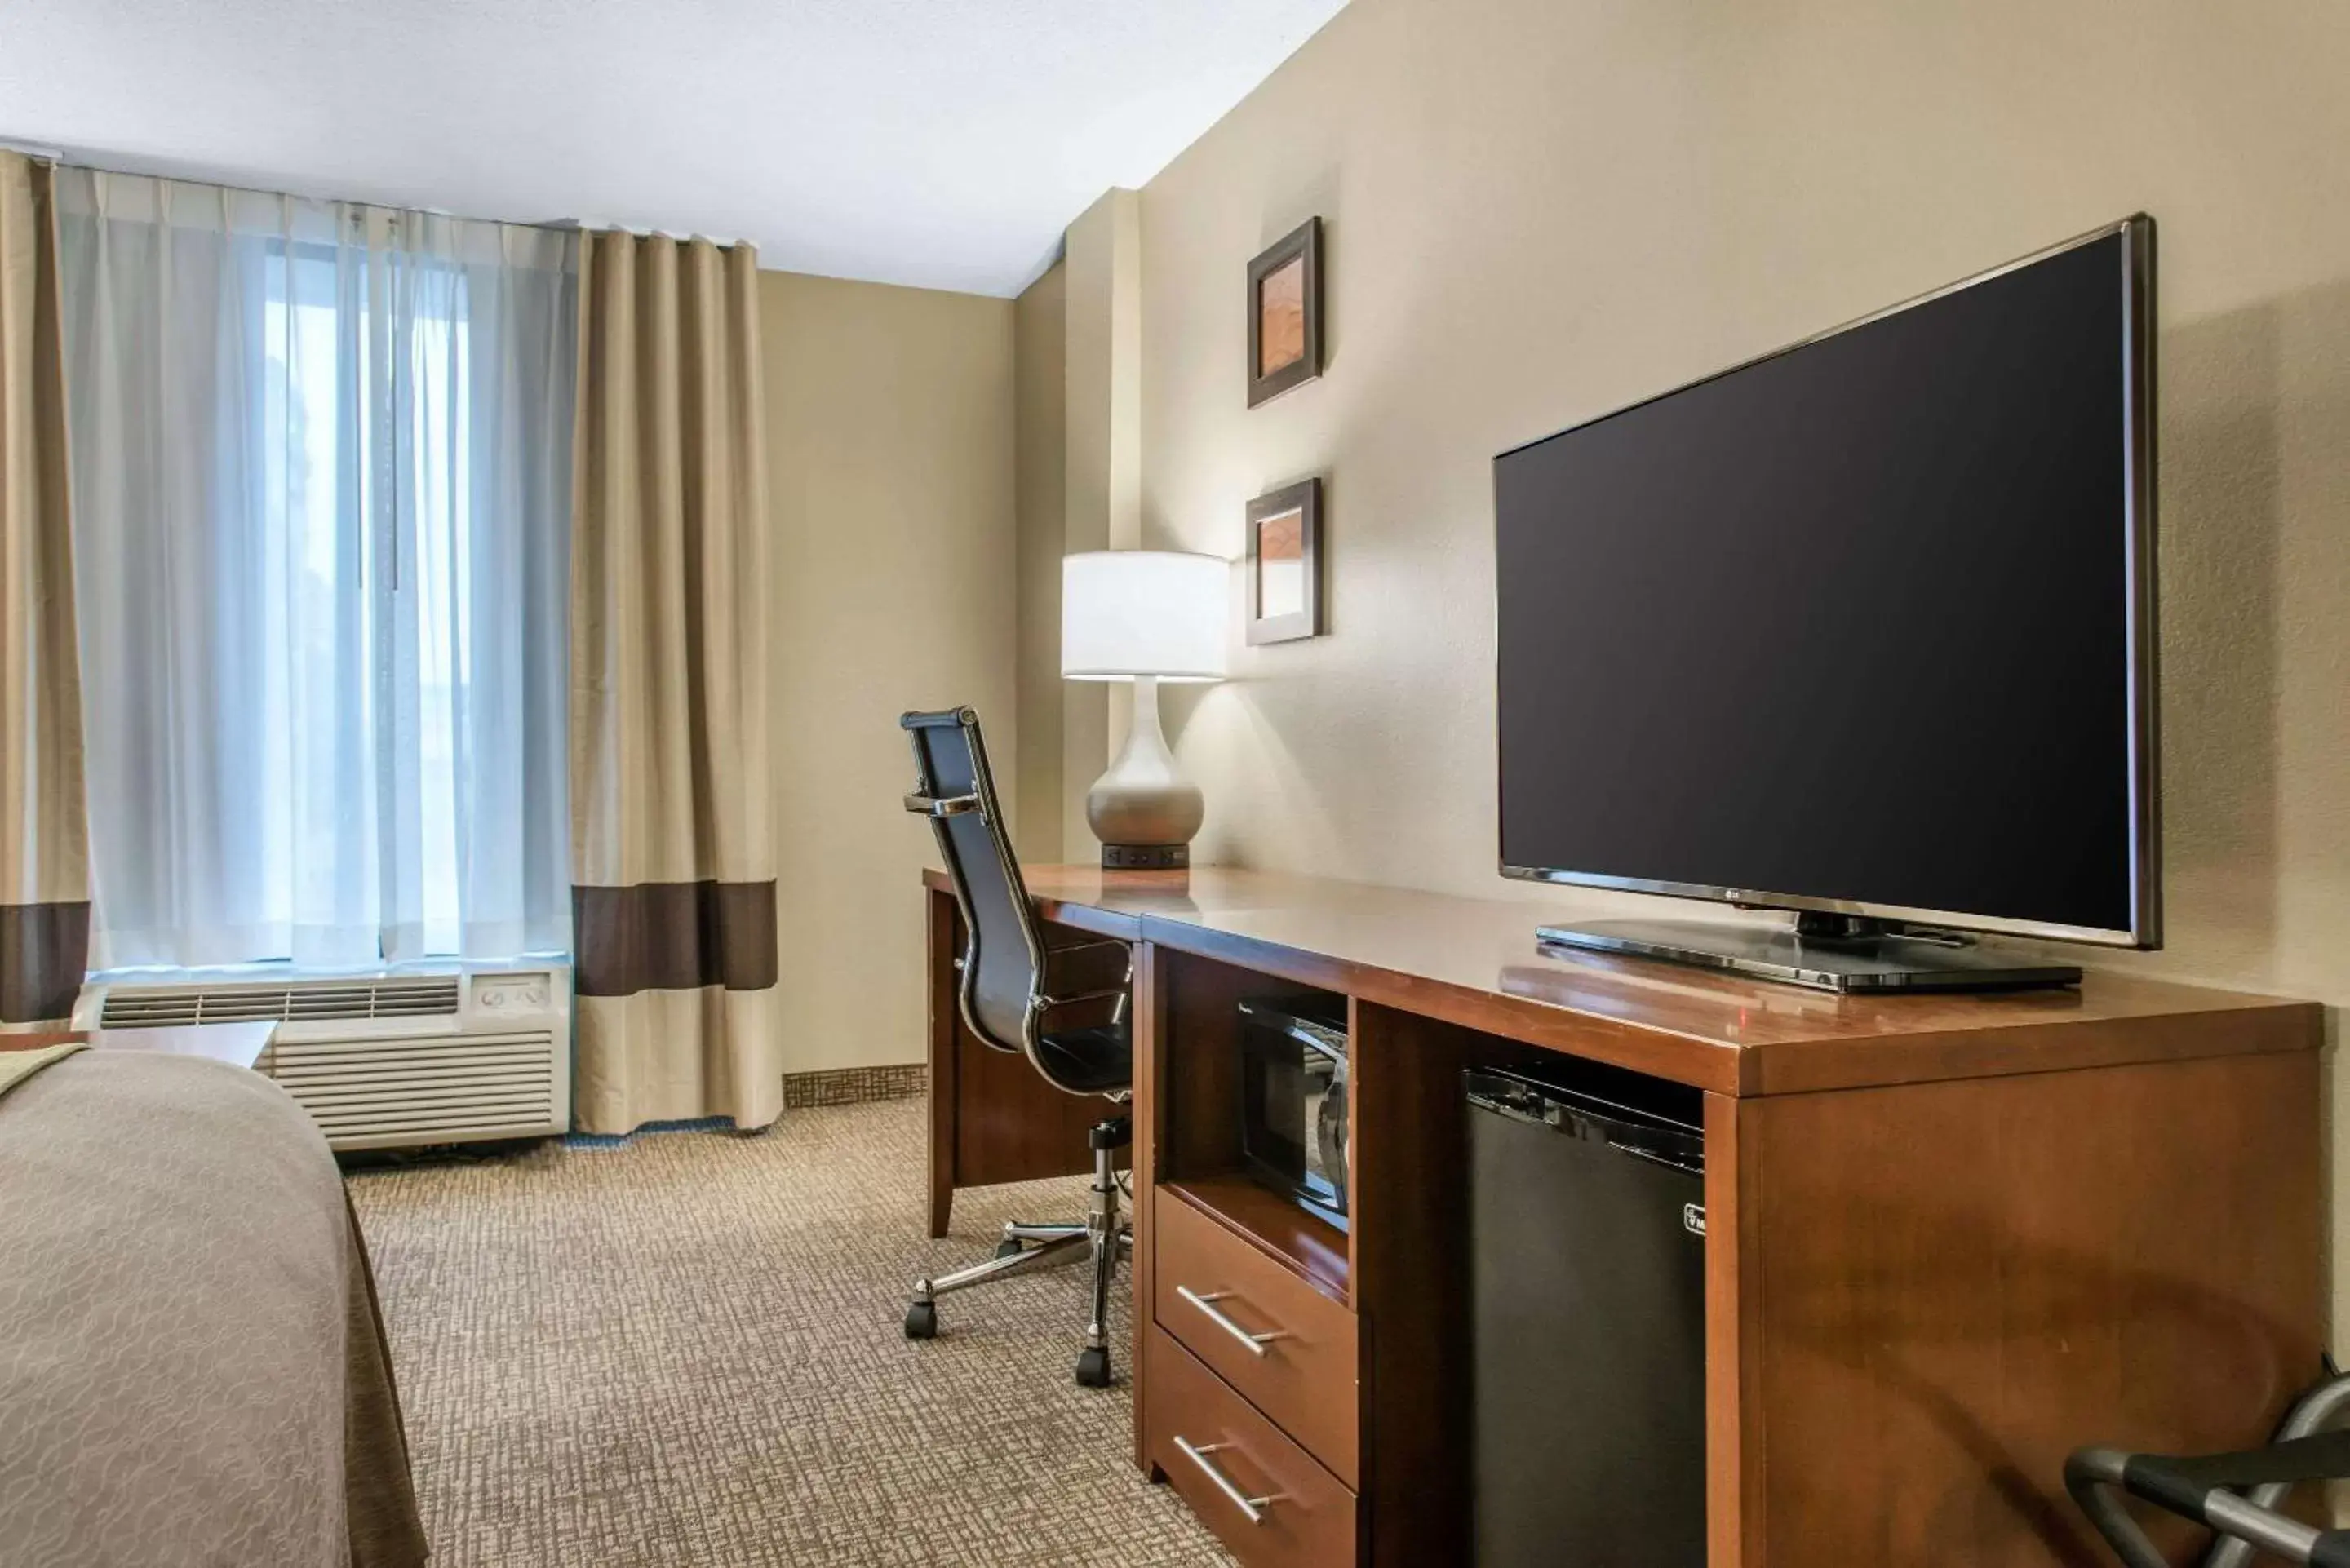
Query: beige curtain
{"type": "Point", "coordinates": [44, 843]}
{"type": "Point", "coordinates": [674, 863]}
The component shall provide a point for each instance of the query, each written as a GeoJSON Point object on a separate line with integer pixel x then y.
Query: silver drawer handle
{"type": "Point", "coordinates": [1255, 1343]}
{"type": "Point", "coordinates": [1253, 1507]}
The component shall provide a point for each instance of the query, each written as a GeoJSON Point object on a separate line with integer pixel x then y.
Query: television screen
{"type": "Point", "coordinates": [1864, 625]}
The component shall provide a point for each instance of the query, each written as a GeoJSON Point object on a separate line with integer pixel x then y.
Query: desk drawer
{"type": "Point", "coordinates": [1212, 1290]}
{"type": "Point", "coordinates": [1226, 1460]}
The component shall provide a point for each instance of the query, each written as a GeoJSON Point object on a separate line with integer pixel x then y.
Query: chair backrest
{"type": "Point", "coordinates": [1004, 952]}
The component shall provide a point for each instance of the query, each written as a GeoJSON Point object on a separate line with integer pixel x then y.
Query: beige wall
{"type": "Point", "coordinates": [1080, 488]}
{"type": "Point", "coordinates": [1537, 211]}
{"type": "Point", "coordinates": [889, 415]}
{"type": "Point", "coordinates": [1039, 356]}
{"type": "Point", "coordinates": [1102, 462]}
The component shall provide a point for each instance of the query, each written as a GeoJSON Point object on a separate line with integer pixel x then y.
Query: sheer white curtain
{"type": "Point", "coordinates": [322, 469]}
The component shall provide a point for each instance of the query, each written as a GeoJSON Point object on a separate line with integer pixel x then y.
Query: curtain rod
{"type": "Point", "coordinates": [561, 225]}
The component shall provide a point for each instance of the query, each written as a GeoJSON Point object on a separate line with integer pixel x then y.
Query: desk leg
{"type": "Point", "coordinates": [945, 1023]}
{"type": "Point", "coordinates": [1408, 1152]}
{"type": "Point", "coordinates": [1734, 1360]}
{"type": "Point", "coordinates": [1149, 1016]}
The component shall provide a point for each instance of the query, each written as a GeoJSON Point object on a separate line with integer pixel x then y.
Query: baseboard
{"type": "Point", "coordinates": [854, 1086]}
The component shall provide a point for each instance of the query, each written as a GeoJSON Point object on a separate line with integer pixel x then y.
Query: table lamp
{"type": "Point", "coordinates": [1144, 616]}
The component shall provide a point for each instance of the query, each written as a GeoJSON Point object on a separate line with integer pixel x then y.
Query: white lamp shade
{"type": "Point", "coordinates": [1125, 613]}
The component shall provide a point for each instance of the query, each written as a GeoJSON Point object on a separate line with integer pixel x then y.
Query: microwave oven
{"type": "Point", "coordinates": [1293, 1110]}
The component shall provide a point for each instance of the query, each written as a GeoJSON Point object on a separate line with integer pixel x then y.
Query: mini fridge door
{"type": "Point", "coordinates": [1588, 1264]}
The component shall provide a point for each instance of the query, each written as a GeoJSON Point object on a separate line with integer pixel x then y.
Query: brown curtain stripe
{"type": "Point", "coordinates": [44, 839]}
{"type": "Point", "coordinates": [673, 936]}
{"type": "Point", "coordinates": [43, 953]}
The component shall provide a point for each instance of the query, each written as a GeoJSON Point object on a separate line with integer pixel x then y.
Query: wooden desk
{"type": "Point", "coordinates": [1948, 1237]}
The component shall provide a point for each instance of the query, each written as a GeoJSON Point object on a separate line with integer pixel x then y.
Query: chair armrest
{"type": "Point", "coordinates": [1056, 943]}
{"type": "Point", "coordinates": [1114, 993]}
{"type": "Point", "coordinates": [1085, 969]}
{"type": "Point", "coordinates": [935, 806]}
{"type": "Point", "coordinates": [1088, 1010]}
{"type": "Point", "coordinates": [1094, 974]}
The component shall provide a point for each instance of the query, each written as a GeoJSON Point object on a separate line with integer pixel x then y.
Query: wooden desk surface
{"type": "Point", "coordinates": [1474, 961]}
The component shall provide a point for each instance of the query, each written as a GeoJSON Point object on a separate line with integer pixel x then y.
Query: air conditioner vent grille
{"type": "Point", "coordinates": [183, 1006]}
{"type": "Point", "coordinates": [422, 1089]}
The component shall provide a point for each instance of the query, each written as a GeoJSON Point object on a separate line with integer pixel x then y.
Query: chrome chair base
{"type": "Point", "coordinates": [1102, 1240]}
{"type": "Point", "coordinates": [2243, 1515]}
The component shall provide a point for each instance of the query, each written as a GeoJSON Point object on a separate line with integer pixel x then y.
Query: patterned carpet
{"type": "Point", "coordinates": [686, 1350]}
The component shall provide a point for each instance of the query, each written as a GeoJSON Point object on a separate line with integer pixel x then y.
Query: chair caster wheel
{"type": "Point", "coordinates": [1093, 1367]}
{"type": "Point", "coordinates": [1009, 1247]}
{"type": "Point", "coordinates": [922, 1321]}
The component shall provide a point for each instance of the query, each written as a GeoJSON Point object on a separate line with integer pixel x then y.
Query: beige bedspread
{"type": "Point", "coordinates": [192, 1366]}
{"type": "Point", "coordinates": [18, 1063]}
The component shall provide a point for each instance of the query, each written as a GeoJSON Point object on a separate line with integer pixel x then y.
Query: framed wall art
{"type": "Point", "coordinates": [1284, 564]}
{"type": "Point", "coordinates": [1285, 306]}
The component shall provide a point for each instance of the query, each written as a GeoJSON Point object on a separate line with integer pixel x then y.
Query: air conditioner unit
{"type": "Point", "coordinates": [419, 1055]}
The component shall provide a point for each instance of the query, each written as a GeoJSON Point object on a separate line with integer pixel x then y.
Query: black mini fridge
{"type": "Point", "coordinates": [1587, 1248]}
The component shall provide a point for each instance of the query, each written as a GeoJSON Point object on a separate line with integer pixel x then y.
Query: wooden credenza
{"type": "Point", "coordinates": [1948, 1238]}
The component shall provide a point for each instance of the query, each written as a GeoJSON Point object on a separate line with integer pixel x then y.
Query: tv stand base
{"type": "Point", "coordinates": [1826, 953]}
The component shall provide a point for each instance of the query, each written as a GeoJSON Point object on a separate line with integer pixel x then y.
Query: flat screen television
{"type": "Point", "coordinates": [1862, 628]}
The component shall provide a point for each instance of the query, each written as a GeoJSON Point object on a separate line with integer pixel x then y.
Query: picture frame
{"type": "Point", "coordinates": [1284, 564]}
{"type": "Point", "coordinates": [1285, 313]}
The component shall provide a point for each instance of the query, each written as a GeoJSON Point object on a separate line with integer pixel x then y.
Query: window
{"type": "Point", "coordinates": [417, 584]}
{"type": "Point", "coordinates": [322, 457]}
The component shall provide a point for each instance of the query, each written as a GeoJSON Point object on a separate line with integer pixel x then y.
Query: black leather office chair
{"type": "Point", "coordinates": [1023, 991]}
{"type": "Point", "coordinates": [2236, 1495]}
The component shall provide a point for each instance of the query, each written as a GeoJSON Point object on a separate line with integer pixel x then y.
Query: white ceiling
{"type": "Point", "coordinates": [938, 143]}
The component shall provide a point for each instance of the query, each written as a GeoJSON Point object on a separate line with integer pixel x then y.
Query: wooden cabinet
{"type": "Point", "coordinates": [1948, 1237]}
{"type": "Point", "coordinates": [1276, 1338]}
{"type": "Point", "coordinates": [1247, 1331]}
{"type": "Point", "coordinates": [1945, 1287]}
{"type": "Point", "coordinates": [1264, 1496]}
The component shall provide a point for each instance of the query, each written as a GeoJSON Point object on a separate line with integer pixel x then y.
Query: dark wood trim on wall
{"type": "Point", "coordinates": [854, 1086]}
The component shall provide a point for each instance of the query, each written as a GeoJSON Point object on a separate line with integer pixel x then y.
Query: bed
{"type": "Point", "coordinates": [192, 1369]}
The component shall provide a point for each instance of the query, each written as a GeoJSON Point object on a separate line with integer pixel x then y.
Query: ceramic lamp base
{"type": "Point", "coordinates": [1142, 810]}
